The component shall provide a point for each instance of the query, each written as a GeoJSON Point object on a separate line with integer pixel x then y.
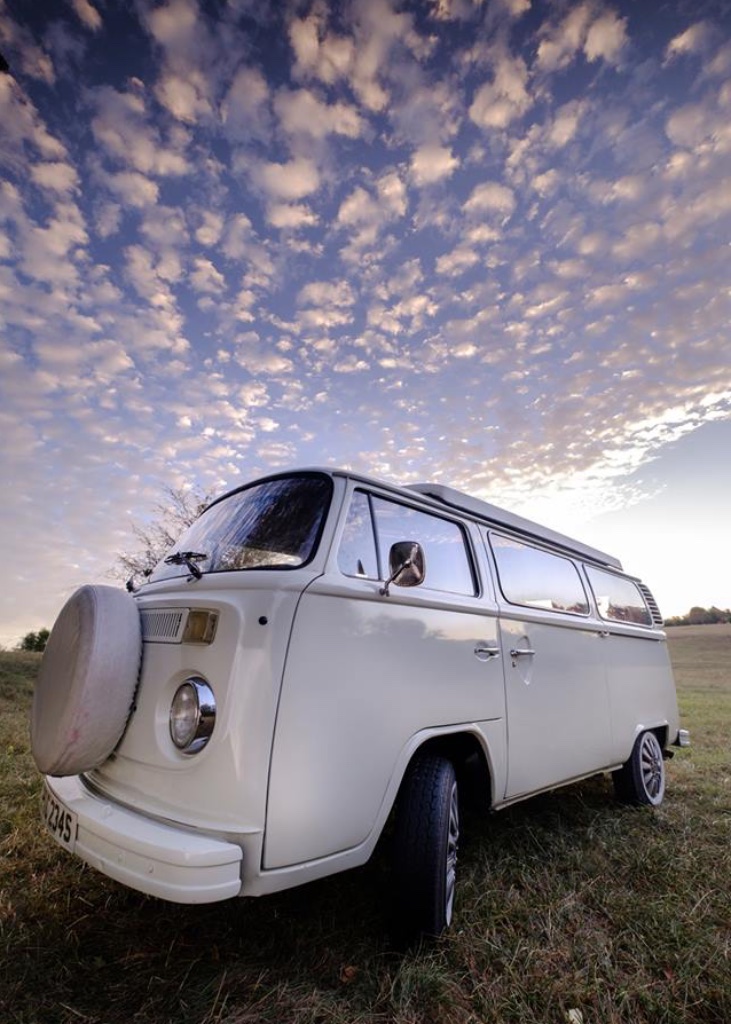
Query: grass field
{"type": "Point", "coordinates": [571, 908]}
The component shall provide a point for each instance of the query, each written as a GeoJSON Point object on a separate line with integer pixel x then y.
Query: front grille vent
{"type": "Point", "coordinates": [657, 618]}
{"type": "Point", "coordinates": [163, 625]}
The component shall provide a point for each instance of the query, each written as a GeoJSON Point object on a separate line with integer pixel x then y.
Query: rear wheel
{"type": "Point", "coordinates": [425, 847]}
{"type": "Point", "coordinates": [641, 779]}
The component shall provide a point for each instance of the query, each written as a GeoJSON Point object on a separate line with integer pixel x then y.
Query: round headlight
{"type": "Point", "coordinates": [192, 715]}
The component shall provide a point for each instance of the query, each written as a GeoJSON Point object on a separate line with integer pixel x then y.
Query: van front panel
{"type": "Point", "coordinates": [223, 787]}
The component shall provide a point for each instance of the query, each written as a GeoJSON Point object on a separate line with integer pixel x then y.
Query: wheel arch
{"type": "Point", "coordinates": [465, 747]}
{"type": "Point", "coordinates": [661, 730]}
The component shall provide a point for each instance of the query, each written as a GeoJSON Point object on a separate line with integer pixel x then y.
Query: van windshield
{"type": "Point", "coordinates": [273, 524]}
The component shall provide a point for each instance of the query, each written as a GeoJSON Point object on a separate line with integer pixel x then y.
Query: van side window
{"type": "Point", "coordinates": [537, 578]}
{"type": "Point", "coordinates": [617, 598]}
{"type": "Point", "coordinates": [357, 552]}
{"type": "Point", "coordinates": [448, 565]}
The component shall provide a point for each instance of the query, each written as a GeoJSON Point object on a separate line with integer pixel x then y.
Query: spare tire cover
{"type": "Point", "coordinates": [87, 681]}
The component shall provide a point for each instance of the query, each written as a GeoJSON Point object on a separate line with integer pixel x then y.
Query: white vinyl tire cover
{"type": "Point", "coordinates": [87, 681]}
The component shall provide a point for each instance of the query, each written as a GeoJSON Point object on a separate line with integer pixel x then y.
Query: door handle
{"type": "Point", "coordinates": [483, 652]}
{"type": "Point", "coordinates": [523, 653]}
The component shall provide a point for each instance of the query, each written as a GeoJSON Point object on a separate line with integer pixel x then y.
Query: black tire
{"type": "Point", "coordinates": [425, 848]}
{"type": "Point", "coordinates": [641, 779]}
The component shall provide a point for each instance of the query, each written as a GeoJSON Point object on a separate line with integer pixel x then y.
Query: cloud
{"type": "Point", "coordinates": [87, 14]}
{"type": "Point", "coordinates": [206, 278]}
{"type": "Point", "coordinates": [690, 125]}
{"type": "Point", "coordinates": [200, 52]}
{"type": "Point", "coordinates": [431, 164]}
{"type": "Point", "coordinates": [547, 183]}
{"type": "Point", "coordinates": [132, 188]}
{"type": "Point", "coordinates": [245, 110]}
{"type": "Point", "coordinates": [454, 263]}
{"type": "Point", "coordinates": [600, 35]}
{"type": "Point", "coordinates": [211, 228]}
{"type": "Point", "coordinates": [365, 214]}
{"type": "Point", "coordinates": [177, 27]}
{"type": "Point", "coordinates": [18, 44]}
{"type": "Point", "coordinates": [184, 96]}
{"type": "Point", "coordinates": [490, 197]}
{"type": "Point", "coordinates": [293, 180]}
{"type": "Point", "coordinates": [392, 194]}
{"type": "Point", "coordinates": [151, 280]}
{"type": "Point", "coordinates": [238, 236]}
{"type": "Point", "coordinates": [22, 125]}
{"type": "Point", "coordinates": [720, 64]}
{"type": "Point", "coordinates": [566, 123]}
{"type": "Point", "coordinates": [326, 304]}
{"type": "Point", "coordinates": [290, 216]}
{"type": "Point", "coordinates": [361, 59]}
{"type": "Point", "coordinates": [378, 28]}
{"type": "Point", "coordinates": [428, 112]}
{"type": "Point", "coordinates": [328, 59]}
{"type": "Point", "coordinates": [107, 218]}
{"type": "Point", "coordinates": [468, 10]}
{"type": "Point", "coordinates": [326, 293]}
{"type": "Point", "coordinates": [350, 364]}
{"type": "Point", "coordinates": [360, 207]}
{"type": "Point", "coordinates": [302, 113]}
{"type": "Point", "coordinates": [165, 228]}
{"type": "Point", "coordinates": [254, 356]}
{"type": "Point", "coordinates": [122, 127]}
{"type": "Point", "coordinates": [499, 102]}
{"type": "Point", "coordinates": [693, 40]}
{"type": "Point", "coordinates": [606, 38]}
{"type": "Point", "coordinates": [49, 252]}
{"type": "Point", "coordinates": [57, 177]}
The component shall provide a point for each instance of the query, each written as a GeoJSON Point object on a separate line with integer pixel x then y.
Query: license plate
{"type": "Point", "coordinates": [58, 819]}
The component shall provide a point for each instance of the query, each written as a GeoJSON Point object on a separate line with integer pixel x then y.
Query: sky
{"type": "Point", "coordinates": [479, 243]}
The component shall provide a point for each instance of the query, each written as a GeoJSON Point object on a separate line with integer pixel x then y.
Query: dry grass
{"type": "Point", "coordinates": [568, 902]}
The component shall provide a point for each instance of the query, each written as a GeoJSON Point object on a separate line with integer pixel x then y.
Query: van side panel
{"type": "Point", "coordinates": [557, 704]}
{"type": "Point", "coordinates": [364, 673]}
{"type": "Point", "coordinates": [641, 687]}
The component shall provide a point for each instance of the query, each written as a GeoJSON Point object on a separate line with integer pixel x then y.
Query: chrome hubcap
{"type": "Point", "coordinates": [651, 766]}
{"type": "Point", "coordinates": [452, 842]}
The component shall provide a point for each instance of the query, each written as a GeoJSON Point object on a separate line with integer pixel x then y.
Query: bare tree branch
{"type": "Point", "coordinates": [171, 516]}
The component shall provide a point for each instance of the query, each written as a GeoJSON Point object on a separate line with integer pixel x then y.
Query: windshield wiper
{"type": "Point", "coordinates": [188, 559]}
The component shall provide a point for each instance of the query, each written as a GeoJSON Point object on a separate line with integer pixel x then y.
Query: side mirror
{"type": "Point", "coordinates": [406, 565]}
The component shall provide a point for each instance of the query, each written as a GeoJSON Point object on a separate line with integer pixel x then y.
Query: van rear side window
{"type": "Point", "coordinates": [618, 599]}
{"type": "Point", "coordinates": [537, 578]}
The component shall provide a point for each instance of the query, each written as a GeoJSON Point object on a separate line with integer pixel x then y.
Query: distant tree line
{"type": "Point", "coordinates": [34, 641]}
{"type": "Point", "coordinates": [700, 617]}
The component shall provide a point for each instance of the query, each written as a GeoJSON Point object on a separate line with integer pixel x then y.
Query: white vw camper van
{"type": "Point", "coordinates": [321, 651]}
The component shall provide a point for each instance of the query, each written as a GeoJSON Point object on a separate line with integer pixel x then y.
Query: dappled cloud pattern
{"type": "Point", "coordinates": [485, 243]}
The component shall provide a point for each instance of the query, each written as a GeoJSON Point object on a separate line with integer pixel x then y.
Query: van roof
{"type": "Point", "coordinates": [495, 516]}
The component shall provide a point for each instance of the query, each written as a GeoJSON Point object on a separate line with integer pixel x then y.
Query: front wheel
{"type": "Point", "coordinates": [641, 779]}
{"type": "Point", "coordinates": [425, 847]}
